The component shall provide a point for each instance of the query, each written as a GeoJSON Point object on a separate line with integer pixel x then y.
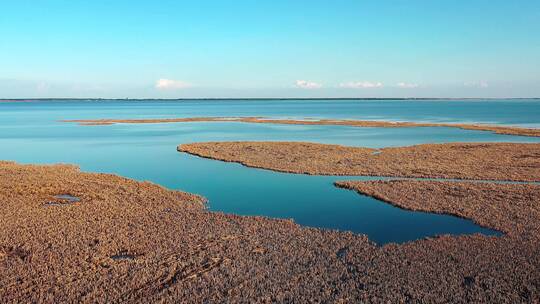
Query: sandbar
{"type": "Point", "coordinates": [506, 130]}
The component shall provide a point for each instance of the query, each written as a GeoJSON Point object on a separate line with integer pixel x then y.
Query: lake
{"type": "Point", "coordinates": [30, 132]}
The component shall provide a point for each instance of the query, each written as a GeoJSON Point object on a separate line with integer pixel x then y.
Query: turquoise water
{"type": "Point", "coordinates": [31, 133]}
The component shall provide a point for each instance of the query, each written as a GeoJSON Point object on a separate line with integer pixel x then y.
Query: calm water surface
{"type": "Point", "coordinates": [31, 133]}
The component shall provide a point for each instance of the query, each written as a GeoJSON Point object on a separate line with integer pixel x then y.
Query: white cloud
{"type": "Point", "coordinates": [406, 85]}
{"type": "Point", "coordinates": [42, 86]}
{"type": "Point", "coordinates": [476, 84]}
{"type": "Point", "coordinates": [169, 84]}
{"type": "Point", "coordinates": [361, 85]}
{"type": "Point", "coordinates": [304, 84]}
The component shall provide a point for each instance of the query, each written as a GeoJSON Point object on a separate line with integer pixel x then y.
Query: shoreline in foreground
{"type": "Point", "coordinates": [127, 241]}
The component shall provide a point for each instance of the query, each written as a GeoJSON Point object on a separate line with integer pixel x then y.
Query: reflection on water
{"type": "Point", "coordinates": [31, 134]}
{"type": "Point", "coordinates": [69, 198]}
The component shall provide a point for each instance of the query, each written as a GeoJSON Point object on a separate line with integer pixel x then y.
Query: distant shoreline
{"type": "Point", "coordinates": [249, 99]}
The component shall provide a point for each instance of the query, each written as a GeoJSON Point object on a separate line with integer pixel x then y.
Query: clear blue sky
{"type": "Point", "coordinates": [278, 48]}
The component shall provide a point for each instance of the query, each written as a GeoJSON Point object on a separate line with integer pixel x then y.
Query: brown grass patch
{"type": "Point", "coordinates": [511, 208]}
{"type": "Point", "coordinates": [172, 250]}
{"type": "Point", "coordinates": [490, 161]}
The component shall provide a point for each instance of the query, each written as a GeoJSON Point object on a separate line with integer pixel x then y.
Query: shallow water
{"type": "Point", "coordinates": [31, 133]}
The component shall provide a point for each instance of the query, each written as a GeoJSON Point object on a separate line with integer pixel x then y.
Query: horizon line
{"type": "Point", "coordinates": [269, 98]}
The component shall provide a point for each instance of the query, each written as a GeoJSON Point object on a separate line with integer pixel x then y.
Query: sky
{"type": "Point", "coordinates": [269, 48]}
